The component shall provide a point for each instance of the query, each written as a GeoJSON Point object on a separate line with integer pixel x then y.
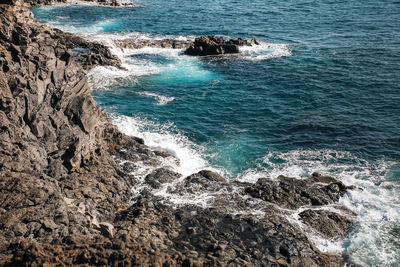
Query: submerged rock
{"type": "Point", "coordinates": [214, 45]}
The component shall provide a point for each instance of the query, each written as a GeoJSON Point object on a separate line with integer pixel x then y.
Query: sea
{"type": "Point", "coordinates": [320, 93]}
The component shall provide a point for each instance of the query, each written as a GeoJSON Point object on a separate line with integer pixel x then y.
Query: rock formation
{"type": "Point", "coordinates": [214, 45]}
{"type": "Point", "coordinates": [113, 3]}
{"type": "Point", "coordinates": [88, 54]}
{"type": "Point", "coordinates": [66, 179]}
{"type": "Point", "coordinates": [162, 43]}
{"type": "Point", "coordinates": [200, 46]}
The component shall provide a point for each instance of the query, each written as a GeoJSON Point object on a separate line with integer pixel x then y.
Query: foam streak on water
{"type": "Point", "coordinates": [161, 100]}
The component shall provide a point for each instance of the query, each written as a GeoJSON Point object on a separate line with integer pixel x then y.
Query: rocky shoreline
{"type": "Point", "coordinates": [200, 46]}
{"type": "Point", "coordinates": [66, 175]}
{"type": "Point", "coordinates": [111, 3]}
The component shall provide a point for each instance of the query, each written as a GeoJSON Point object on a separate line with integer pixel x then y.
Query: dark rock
{"type": "Point", "coordinates": [213, 45]}
{"type": "Point", "coordinates": [329, 224]}
{"type": "Point", "coordinates": [163, 153]}
{"type": "Point", "coordinates": [107, 229]}
{"type": "Point", "coordinates": [293, 193]}
{"type": "Point", "coordinates": [87, 53]}
{"type": "Point", "coordinates": [212, 176]}
{"type": "Point", "coordinates": [163, 43]}
{"type": "Point", "coordinates": [112, 3]}
{"type": "Point", "coordinates": [161, 176]}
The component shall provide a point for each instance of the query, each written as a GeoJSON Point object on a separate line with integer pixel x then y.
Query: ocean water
{"type": "Point", "coordinates": [321, 93]}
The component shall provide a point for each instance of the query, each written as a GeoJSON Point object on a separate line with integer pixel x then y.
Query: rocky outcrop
{"type": "Point", "coordinates": [43, 2]}
{"type": "Point", "coordinates": [113, 3]}
{"type": "Point", "coordinates": [214, 45]}
{"type": "Point", "coordinates": [88, 54]}
{"type": "Point", "coordinates": [200, 46]}
{"type": "Point", "coordinates": [162, 43]}
{"type": "Point", "coordinates": [66, 179]}
{"type": "Point", "coordinates": [294, 193]}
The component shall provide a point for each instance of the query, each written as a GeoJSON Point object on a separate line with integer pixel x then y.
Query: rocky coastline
{"type": "Point", "coordinates": [111, 3]}
{"type": "Point", "coordinates": [200, 46]}
{"type": "Point", "coordinates": [66, 178]}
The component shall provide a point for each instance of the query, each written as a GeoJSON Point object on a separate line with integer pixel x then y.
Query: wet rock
{"type": "Point", "coordinates": [205, 179]}
{"type": "Point", "coordinates": [88, 54]}
{"type": "Point", "coordinates": [162, 43]}
{"type": "Point", "coordinates": [329, 224]}
{"type": "Point", "coordinates": [112, 3]}
{"type": "Point", "coordinates": [212, 176]}
{"type": "Point", "coordinates": [214, 45]}
{"type": "Point", "coordinates": [161, 176]}
{"type": "Point", "coordinates": [162, 153]}
{"type": "Point", "coordinates": [294, 193]}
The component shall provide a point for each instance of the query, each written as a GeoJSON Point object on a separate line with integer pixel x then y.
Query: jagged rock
{"type": "Point", "coordinates": [89, 54]}
{"type": "Point", "coordinates": [161, 176]}
{"type": "Point", "coordinates": [107, 229]}
{"type": "Point", "coordinates": [327, 223]}
{"type": "Point", "coordinates": [214, 45]}
{"type": "Point", "coordinates": [113, 3]}
{"type": "Point", "coordinates": [212, 176]}
{"type": "Point", "coordinates": [294, 193]}
{"type": "Point", "coordinates": [163, 43]}
{"type": "Point", "coordinates": [162, 153]}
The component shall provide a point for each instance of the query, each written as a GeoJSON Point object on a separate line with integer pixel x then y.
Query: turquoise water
{"type": "Point", "coordinates": [321, 93]}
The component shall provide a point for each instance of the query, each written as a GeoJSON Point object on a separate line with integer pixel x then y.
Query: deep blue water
{"type": "Point", "coordinates": [324, 98]}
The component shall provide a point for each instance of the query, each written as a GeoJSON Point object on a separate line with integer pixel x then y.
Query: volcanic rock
{"type": "Point", "coordinates": [162, 43]}
{"type": "Point", "coordinates": [294, 193]}
{"type": "Point", "coordinates": [214, 45]}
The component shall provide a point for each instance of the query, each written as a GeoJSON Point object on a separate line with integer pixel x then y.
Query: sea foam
{"type": "Point", "coordinates": [169, 138]}
{"type": "Point", "coordinates": [377, 205]}
{"type": "Point", "coordinates": [265, 51]}
{"type": "Point", "coordinates": [161, 100]}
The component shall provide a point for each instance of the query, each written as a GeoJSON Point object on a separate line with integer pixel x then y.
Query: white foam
{"type": "Point", "coordinates": [86, 3]}
{"type": "Point", "coordinates": [102, 77]}
{"type": "Point", "coordinates": [265, 51]}
{"type": "Point", "coordinates": [161, 100]}
{"type": "Point", "coordinates": [166, 52]}
{"type": "Point", "coordinates": [166, 137]}
{"type": "Point", "coordinates": [377, 206]}
{"type": "Point", "coordinates": [107, 77]}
